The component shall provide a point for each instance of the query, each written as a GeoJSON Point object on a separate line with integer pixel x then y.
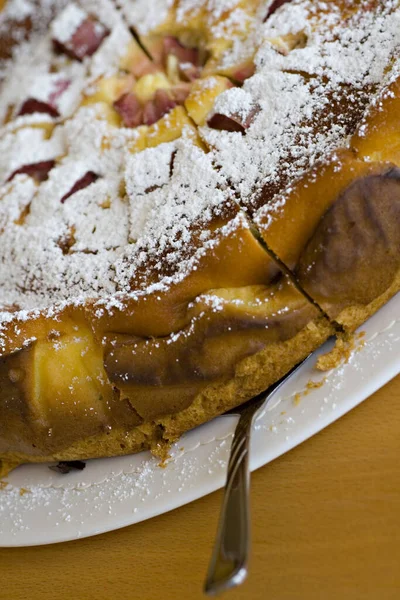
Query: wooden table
{"type": "Point", "coordinates": [326, 525]}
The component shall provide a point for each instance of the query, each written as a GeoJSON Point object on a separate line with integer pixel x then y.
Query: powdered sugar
{"type": "Point", "coordinates": [152, 213]}
{"type": "Point", "coordinates": [106, 60]}
{"type": "Point", "coordinates": [25, 147]}
{"type": "Point", "coordinates": [17, 197]}
{"type": "Point", "coordinates": [149, 168]}
{"type": "Point", "coordinates": [137, 13]}
{"type": "Point", "coordinates": [192, 195]}
{"type": "Point", "coordinates": [302, 119]}
{"type": "Point", "coordinates": [234, 102]}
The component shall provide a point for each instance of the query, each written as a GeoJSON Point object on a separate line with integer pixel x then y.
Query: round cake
{"type": "Point", "coordinates": [194, 195]}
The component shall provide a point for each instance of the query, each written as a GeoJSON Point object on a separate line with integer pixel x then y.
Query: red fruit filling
{"type": "Point", "coordinates": [32, 105]}
{"type": "Point", "coordinates": [83, 182]}
{"type": "Point", "coordinates": [130, 110]}
{"type": "Point", "coordinates": [274, 7]}
{"type": "Point", "coordinates": [134, 114]}
{"type": "Point", "coordinates": [84, 41]}
{"type": "Point", "coordinates": [244, 72]}
{"type": "Point", "coordinates": [182, 53]}
{"type": "Point", "coordinates": [236, 122]}
{"type": "Point", "coordinates": [38, 171]}
{"type": "Point", "coordinates": [150, 114]}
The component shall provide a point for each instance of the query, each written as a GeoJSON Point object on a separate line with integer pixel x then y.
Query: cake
{"type": "Point", "coordinates": [192, 199]}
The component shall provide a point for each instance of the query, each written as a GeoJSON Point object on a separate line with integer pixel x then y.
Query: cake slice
{"type": "Point", "coordinates": [347, 215]}
{"type": "Point", "coordinates": [345, 248]}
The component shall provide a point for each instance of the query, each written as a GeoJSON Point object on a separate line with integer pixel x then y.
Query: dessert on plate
{"type": "Point", "coordinates": [192, 199]}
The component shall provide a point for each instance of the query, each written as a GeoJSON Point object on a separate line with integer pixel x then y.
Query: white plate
{"type": "Point", "coordinates": [39, 506]}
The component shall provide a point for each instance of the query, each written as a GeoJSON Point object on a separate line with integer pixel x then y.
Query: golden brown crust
{"type": "Point", "coordinates": [56, 390]}
{"type": "Point", "coordinates": [252, 375]}
{"type": "Point", "coordinates": [355, 315]}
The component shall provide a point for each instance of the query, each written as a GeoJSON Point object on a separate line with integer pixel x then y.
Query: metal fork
{"type": "Point", "coordinates": [229, 560]}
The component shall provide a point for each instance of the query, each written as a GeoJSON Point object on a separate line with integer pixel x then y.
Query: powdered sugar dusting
{"type": "Point", "coordinates": [152, 213]}
{"type": "Point", "coordinates": [194, 194]}
{"type": "Point", "coordinates": [310, 96]}
{"type": "Point", "coordinates": [25, 147]}
{"type": "Point", "coordinates": [137, 13]}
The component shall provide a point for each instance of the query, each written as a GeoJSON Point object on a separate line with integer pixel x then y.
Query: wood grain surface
{"type": "Point", "coordinates": [326, 525]}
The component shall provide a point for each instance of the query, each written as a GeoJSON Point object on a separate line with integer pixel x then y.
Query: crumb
{"type": "Point", "coordinates": [24, 491]}
{"type": "Point", "coordinates": [361, 341]}
{"type": "Point", "coordinates": [341, 352]}
{"type": "Point", "coordinates": [161, 449]}
{"type": "Point", "coordinates": [311, 385]}
{"type": "Point", "coordinates": [297, 398]}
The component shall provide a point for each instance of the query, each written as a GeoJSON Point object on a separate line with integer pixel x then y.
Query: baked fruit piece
{"type": "Point", "coordinates": [132, 92]}
{"type": "Point", "coordinates": [193, 40]}
{"type": "Point", "coordinates": [161, 93]}
{"type": "Point", "coordinates": [158, 95]}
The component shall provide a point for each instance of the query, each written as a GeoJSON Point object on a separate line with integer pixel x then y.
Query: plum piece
{"type": "Point", "coordinates": [163, 102]}
{"type": "Point", "coordinates": [189, 71]}
{"type": "Point", "coordinates": [31, 106]}
{"type": "Point", "coordinates": [172, 45]}
{"type": "Point", "coordinates": [85, 40]}
{"type": "Point", "coordinates": [150, 114]}
{"type": "Point", "coordinates": [274, 7]}
{"type": "Point", "coordinates": [83, 182]}
{"type": "Point", "coordinates": [38, 171]}
{"type": "Point", "coordinates": [244, 72]}
{"type": "Point", "coordinates": [130, 109]}
{"type": "Point", "coordinates": [59, 88]}
{"type": "Point", "coordinates": [36, 105]}
{"type": "Point", "coordinates": [180, 92]}
{"type": "Point", "coordinates": [134, 114]}
{"type": "Point", "coordinates": [354, 253]}
{"type": "Point", "coordinates": [236, 122]}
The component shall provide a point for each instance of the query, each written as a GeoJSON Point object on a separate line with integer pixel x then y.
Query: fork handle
{"type": "Point", "coordinates": [228, 565]}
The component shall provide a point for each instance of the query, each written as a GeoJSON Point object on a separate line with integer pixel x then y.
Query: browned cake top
{"type": "Point", "coordinates": [94, 209]}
